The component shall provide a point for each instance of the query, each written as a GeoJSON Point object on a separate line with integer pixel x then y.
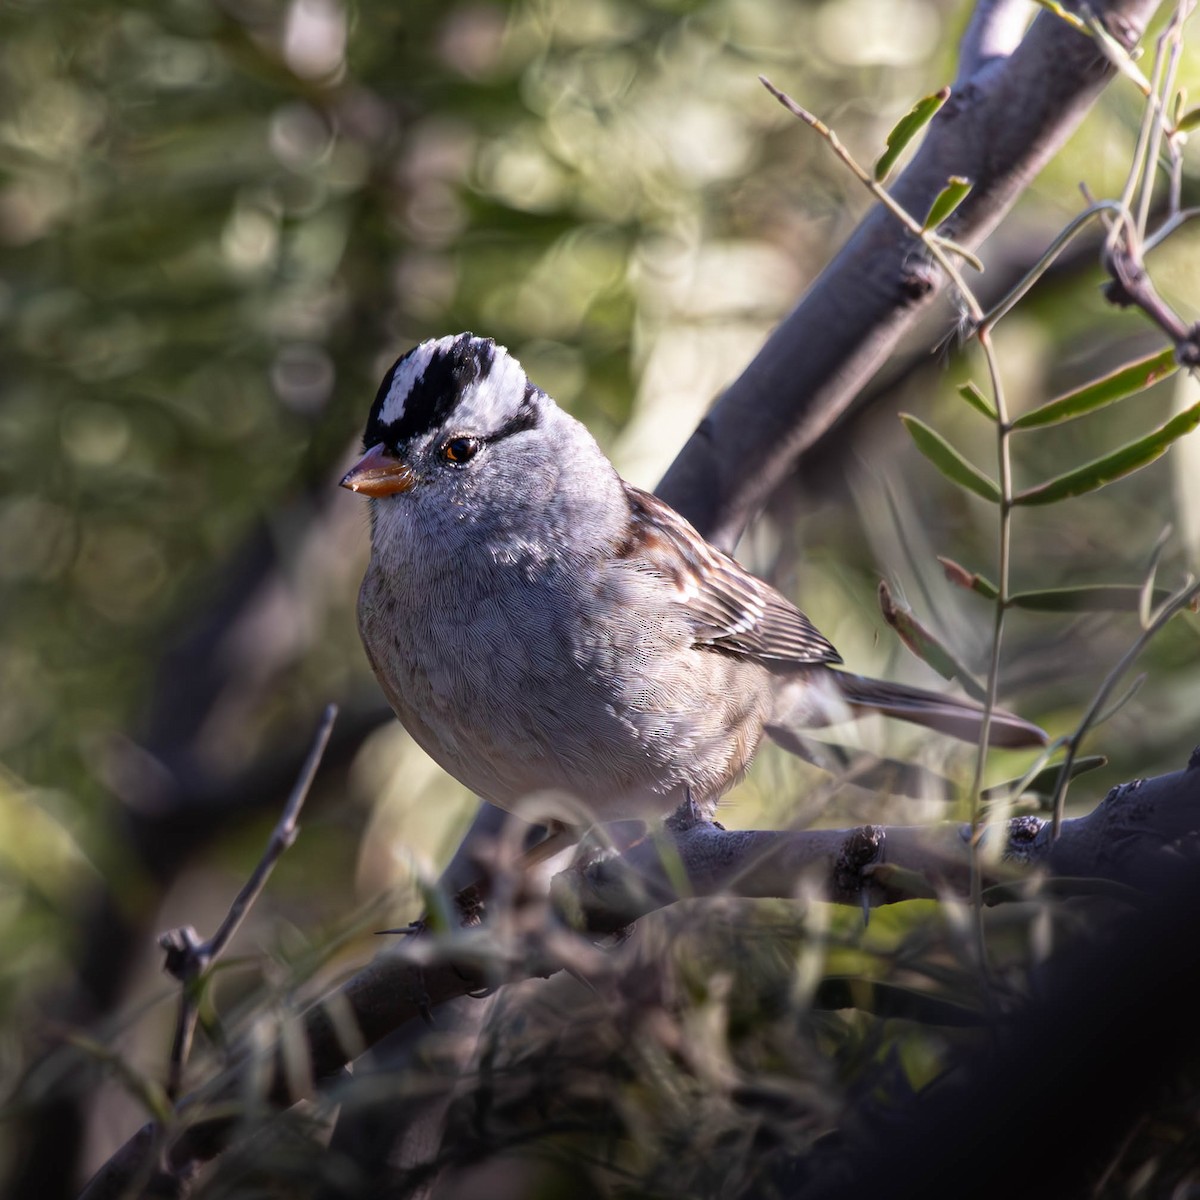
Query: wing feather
{"type": "Point", "coordinates": [731, 610]}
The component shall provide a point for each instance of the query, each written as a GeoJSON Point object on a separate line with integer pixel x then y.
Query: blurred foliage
{"type": "Point", "coordinates": [220, 222]}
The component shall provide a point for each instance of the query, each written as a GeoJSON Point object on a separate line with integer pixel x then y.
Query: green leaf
{"type": "Point", "coordinates": [924, 644]}
{"type": "Point", "coordinates": [1188, 121]}
{"type": "Point", "coordinates": [971, 581]}
{"type": "Point", "coordinates": [1125, 381]}
{"type": "Point", "coordinates": [948, 460]}
{"type": "Point", "coordinates": [948, 199]}
{"type": "Point", "coordinates": [1149, 597]}
{"type": "Point", "coordinates": [1116, 465]}
{"type": "Point", "coordinates": [1043, 782]}
{"type": "Point", "coordinates": [977, 400]}
{"type": "Point", "coordinates": [1087, 597]}
{"type": "Point", "coordinates": [906, 129]}
{"type": "Point", "coordinates": [1064, 886]}
{"type": "Point", "coordinates": [889, 999]}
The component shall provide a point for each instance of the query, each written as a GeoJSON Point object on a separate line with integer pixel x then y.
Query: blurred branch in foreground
{"type": "Point", "coordinates": [1137, 837]}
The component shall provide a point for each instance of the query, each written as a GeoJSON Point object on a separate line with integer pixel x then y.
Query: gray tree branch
{"type": "Point", "coordinates": [1008, 114]}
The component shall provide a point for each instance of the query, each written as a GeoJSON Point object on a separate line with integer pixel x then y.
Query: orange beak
{"type": "Point", "coordinates": [379, 473]}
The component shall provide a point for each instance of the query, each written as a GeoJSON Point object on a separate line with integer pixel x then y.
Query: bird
{"type": "Point", "coordinates": [541, 626]}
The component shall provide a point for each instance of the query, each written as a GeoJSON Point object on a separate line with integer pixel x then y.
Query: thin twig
{"type": "Point", "coordinates": [188, 959]}
{"type": "Point", "coordinates": [1128, 238]}
{"type": "Point", "coordinates": [1185, 596]}
{"type": "Point", "coordinates": [941, 250]}
{"type": "Point", "coordinates": [1166, 63]}
{"type": "Point", "coordinates": [1018, 291]}
{"type": "Point", "coordinates": [1132, 286]}
{"type": "Point", "coordinates": [1003, 572]}
{"type": "Point", "coordinates": [1117, 55]}
{"type": "Point", "coordinates": [1140, 183]}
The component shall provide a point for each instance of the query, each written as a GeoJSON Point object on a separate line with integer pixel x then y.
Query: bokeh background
{"type": "Point", "coordinates": [221, 222]}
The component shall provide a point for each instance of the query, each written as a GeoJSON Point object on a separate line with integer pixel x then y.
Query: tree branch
{"type": "Point", "coordinates": [1006, 118]}
{"type": "Point", "coordinates": [1131, 287]}
{"type": "Point", "coordinates": [1130, 838]}
{"type": "Point", "coordinates": [187, 959]}
{"type": "Point", "coordinates": [1101, 1026]}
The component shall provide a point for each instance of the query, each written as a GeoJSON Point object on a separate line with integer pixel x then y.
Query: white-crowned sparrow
{"type": "Point", "coordinates": [538, 623]}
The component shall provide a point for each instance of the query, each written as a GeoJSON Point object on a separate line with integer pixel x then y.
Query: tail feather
{"type": "Point", "coordinates": [821, 696]}
{"type": "Point", "coordinates": [962, 719]}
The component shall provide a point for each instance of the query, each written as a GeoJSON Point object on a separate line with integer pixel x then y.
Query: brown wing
{"type": "Point", "coordinates": [730, 609]}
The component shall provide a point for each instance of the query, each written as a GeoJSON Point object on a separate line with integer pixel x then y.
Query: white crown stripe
{"type": "Point", "coordinates": [504, 388]}
{"type": "Point", "coordinates": [407, 374]}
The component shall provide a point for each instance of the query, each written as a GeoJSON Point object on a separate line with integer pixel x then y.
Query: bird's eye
{"type": "Point", "coordinates": [460, 450]}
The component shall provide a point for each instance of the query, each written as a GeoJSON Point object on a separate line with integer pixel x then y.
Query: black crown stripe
{"type": "Point", "coordinates": [434, 394]}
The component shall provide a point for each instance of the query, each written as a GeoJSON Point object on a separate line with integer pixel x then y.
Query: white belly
{"type": "Point", "coordinates": [514, 697]}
